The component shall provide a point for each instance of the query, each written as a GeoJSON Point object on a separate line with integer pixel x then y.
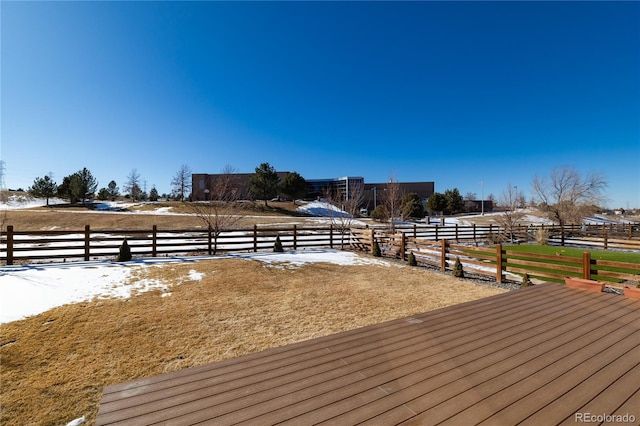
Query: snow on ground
{"type": "Point", "coordinates": [27, 290]}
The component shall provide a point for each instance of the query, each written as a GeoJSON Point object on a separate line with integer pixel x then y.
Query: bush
{"type": "Point", "coordinates": [542, 236]}
{"type": "Point", "coordinates": [375, 250]}
{"type": "Point", "coordinates": [458, 272]}
{"type": "Point", "coordinates": [412, 259]}
{"type": "Point", "coordinates": [379, 214]}
{"type": "Point", "coordinates": [277, 246]}
{"type": "Point", "coordinates": [125, 252]}
{"type": "Point", "coordinates": [526, 281]}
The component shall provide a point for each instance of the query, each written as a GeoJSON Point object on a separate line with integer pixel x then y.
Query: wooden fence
{"type": "Point", "coordinates": [88, 244]}
{"type": "Point", "coordinates": [437, 246]}
{"type": "Point", "coordinates": [496, 261]}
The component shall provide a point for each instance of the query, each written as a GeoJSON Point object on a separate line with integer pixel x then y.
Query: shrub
{"type": "Point", "coordinates": [542, 236]}
{"type": "Point", "coordinates": [526, 281]}
{"type": "Point", "coordinates": [125, 252]}
{"type": "Point", "coordinates": [277, 246]}
{"type": "Point", "coordinates": [412, 259]}
{"type": "Point", "coordinates": [375, 250]}
{"type": "Point", "coordinates": [458, 272]}
{"type": "Point", "coordinates": [379, 214]}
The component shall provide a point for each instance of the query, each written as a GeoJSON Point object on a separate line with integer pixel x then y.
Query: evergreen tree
{"type": "Point", "coordinates": [455, 202]}
{"type": "Point", "coordinates": [437, 202]}
{"type": "Point", "coordinates": [124, 254]}
{"type": "Point", "coordinates": [277, 246]}
{"type": "Point", "coordinates": [86, 184]}
{"type": "Point", "coordinates": [379, 213]}
{"type": "Point", "coordinates": [153, 194]}
{"type": "Point", "coordinates": [264, 183]}
{"type": "Point", "coordinates": [43, 187]}
{"type": "Point", "coordinates": [458, 272]}
{"type": "Point", "coordinates": [113, 190]}
{"type": "Point", "coordinates": [412, 206]}
{"type": "Point", "coordinates": [375, 250]}
{"type": "Point", "coordinates": [294, 186]}
{"type": "Point", "coordinates": [103, 194]}
{"type": "Point", "coordinates": [411, 260]}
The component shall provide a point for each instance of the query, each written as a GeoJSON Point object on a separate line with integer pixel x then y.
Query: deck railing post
{"type": "Point", "coordinates": [499, 265]}
{"type": "Point", "coordinates": [9, 244]}
{"type": "Point", "coordinates": [87, 242]}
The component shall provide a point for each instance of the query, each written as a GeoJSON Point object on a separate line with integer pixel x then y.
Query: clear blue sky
{"type": "Point", "coordinates": [472, 95]}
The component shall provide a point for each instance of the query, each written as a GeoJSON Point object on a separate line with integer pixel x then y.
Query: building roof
{"type": "Point", "coordinates": [541, 355]}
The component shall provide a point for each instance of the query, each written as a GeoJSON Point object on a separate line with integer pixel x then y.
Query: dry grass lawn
{"type": "Point", "coordinates": [142, 216]}
{"type": "Point", "coordinates": [55, 365]}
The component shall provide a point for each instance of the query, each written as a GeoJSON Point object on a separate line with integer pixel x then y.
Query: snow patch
{"type": "Point", "coordinates": [27, 290]}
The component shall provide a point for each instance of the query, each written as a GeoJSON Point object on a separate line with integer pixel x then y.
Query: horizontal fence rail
{"type": "Point", "coordinates": [495, 262]}
{"type": "Point", "coordinates": [437, 246]}
{"type": "Point", "coordinates": [87, 244]}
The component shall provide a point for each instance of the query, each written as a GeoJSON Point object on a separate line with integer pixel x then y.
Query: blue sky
{"type": "Point", "coordinates": [470, 95]}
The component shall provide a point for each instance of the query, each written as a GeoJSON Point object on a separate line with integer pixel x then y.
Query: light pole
{"type": "Point", "coordinates": [482, 196]}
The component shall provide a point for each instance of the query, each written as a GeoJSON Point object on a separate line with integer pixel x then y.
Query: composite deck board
{"type": "Point", "coordinates": [541, 353]}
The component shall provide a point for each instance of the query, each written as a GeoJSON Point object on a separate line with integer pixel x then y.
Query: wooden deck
{"type": "Point", "coordinates": [536, 356]}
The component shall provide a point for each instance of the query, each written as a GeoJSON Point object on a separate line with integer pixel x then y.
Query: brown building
{"type": "Point", "coordinates": [374, 192]}
{"type": "Point", "coordinates": [202, 185]}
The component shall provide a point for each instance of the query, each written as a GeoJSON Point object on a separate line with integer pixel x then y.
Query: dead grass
{"type": "Point", "coordinates": [141, 216]}
{"type": "Point", "coordinates": [55, 365]}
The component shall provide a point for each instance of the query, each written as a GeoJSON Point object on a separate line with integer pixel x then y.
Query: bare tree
{"type": "Point", "coordinates": [392, 202]}
{"type": "Point", "coordinates": [566, 197]}
{"type": "Point", "coordinates": [223, 208]}
{"type": "Point", "coordinates": [181, 182]}
{"type": "Point", "coordinates": [347, 205]}
{"type": "Point", "coordinates": [510, 201]}
{"type": "Point", "coordinates": [132, 185]}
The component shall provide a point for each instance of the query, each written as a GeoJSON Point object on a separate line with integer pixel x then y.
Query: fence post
{"type": "Point", "coordinates": [457, 238]}
{"type": "Point", "coordinates": [295, 236]}
{"type": "Point", "coordinates": [255, 237]}
{"type": "Point", "coordinates": [403, 245]}
{"type": "Point", "coordinates": [443, 255]}
{"type": "Point", "coordinates": [373, 239]}
{"type": "Point", "coordinates": [630, 231]}
{"type": "Point", "coordinates": [499, 263]}
{"type": "Point", "coordinates": [474, 232]}
{"type": "Point", "coordinates": [415, 231]}
{"type": "Point", "coordinates": [9, 244]}
{"type": "Point", "coordinates": [154, 241]}
{"type": "Point", "coordinates": [209, 241]}
{"type": "Point", "coordinates": [87, 237]}
{"type": "Point", "coordinates": [586, 265]}
{"type": "Point", "coordinates": [436, 236]}
{"type": "Point", "coordinates": [606, 239]}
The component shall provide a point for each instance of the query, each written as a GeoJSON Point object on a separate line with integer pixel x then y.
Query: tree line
{"type": "Point", "coordinates": [82, 186]}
